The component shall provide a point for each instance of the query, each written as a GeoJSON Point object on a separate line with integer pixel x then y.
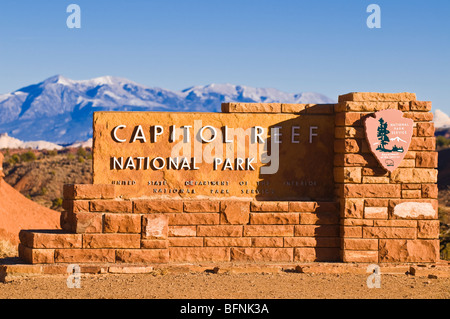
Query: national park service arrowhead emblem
{"type": "Point", "coordinates": [389, 135]}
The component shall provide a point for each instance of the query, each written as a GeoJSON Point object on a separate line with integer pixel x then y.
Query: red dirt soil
{"type": "Point", "coordinates": [18, 212]}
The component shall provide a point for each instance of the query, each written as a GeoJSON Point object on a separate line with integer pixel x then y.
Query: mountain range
{"type": "Point", "coordinates": [59, 110]}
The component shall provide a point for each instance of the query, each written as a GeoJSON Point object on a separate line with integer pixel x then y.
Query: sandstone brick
{"type": "Point", "coordinates": [317, 230]}
{"type": "Point", "coordinates": [269, 206]}
{"type": "Point", "coordinates": [355, 160]}
{"type": "Point", "coordinates": [309, 254]}
{"type": "Point", "coordinates": [82, 223]}
{"type": "Point", "coordinates": [359, 244]}
{"type": "Point", "coordinates": [154, 244]}
{"type": "Point", "coordinates": [267, 242]}
{"type": "Point", "coordinates": [185, 241]}
{"type": "Point", "coordinates": [360, 256]}
{"type": "Point", "coordinates": [220, 230]}
{"type": "Point", "coordinates": [377, 97]}
{"type": "Point", "coordinates": [49, 239]}
{"type": "Point", "coordinates": [357, 222]}
{"type": "Point", "coordinates": [389, 232]}
{"type": "Point", "coordinates": [425, 129]}
{"type": "Point", "coordinates": [375, 180]}
{"type": "Point", "coordinates": [228, 242]}
{"type": "Point", "coordinates": [347, 174]}
{"type": "Point", "coordinates": [376, 202]}
{"type": "Point", "coordinates": [261, 254]}
{"type": "Point", "coordinates": [395, 223]}
{"type": "Point", "coordinates": [407, 163]}
{"type": "Point", "coordinates": [251, 107]}
{"type": "Point", "coordinates": [193, 218]}
{"type": "Point", "coordinates": [268, 230]}
{"type": "Point", "coordinates": [428, 229]}
{"type": "Point", "coordinates": [75, 206]}
{"type": "Point", "coordinates": [201, 206]}
{"type": "Point", "coordinates": [348, 119]}
{"type": "Point", "coordinates": [274, 218]}
{"type": "Point", "coordinates": [111, 240]}
{"type": "Point", "coordinates": [234, 212]}
{"type": "Point", "coordinates": [429, 191]}
{"type": "Point", "coordinates": [293, 108]}
{"type": "Point", "coordinates": [352, 207]}
{"type": "Point", "coordinates": [348, 145]}
{"type": "Point", "coordinates": [402, 250]}
{"type": "Point", "coordinates": [304, 207]}
{"type": "Point", "coordinates": [423, 144]}
{"type": "Point", "coordinates": [419, 116]}
{"type": "Point", "coordinates": [312, 242]}
{"type": "Point", "coordinates": [319, 218]}
{"type": "Point", "coordinates": [403, 106]}
{"type": "Point", "coordinates": [115, 206]}
{"type": "Point", "coordinates": [155, 226]}
{"type": "Point", "coordinates": [374, 171]}
{"type": "Point", "coordinates": [412, 193]}
{"type": "Point", "coordinates": [351, 231]}
{"type": "Point", "coordinates": [182, 231]}
{"type": "Point", "coordinates": [427, 159]}
{"type": "Point", "coordinates": [197, 254]}
{"type": "Point", "coordinates": [411, 186]}
{"type": "Point", "coordinates": [320, 108]}
{"type": "Point", "coordinates": [423, 106]}
{"type": "Point", "coordinates": [142, 255]}
{"type": "Point", "coordinates": [376, 212]}
{"type": "Point", "coordinates": [121, 223]}
{"type": "Point", "coordinates": [157, 206]}
{"type": "Point", "coordinates": [88, 191]}
{"type": "Point", "coordinates": [413, 208]}
{"type": "Point", "coordinates": [365, 106]}
{"type": "Point", "coordinates": [84, 255]}
{"type": "Point", "coordinates": [327, 207]}
{"type": "Point", "coordinates": [36, 256]}
{"type": "Point", "coordinates": [373, 190]}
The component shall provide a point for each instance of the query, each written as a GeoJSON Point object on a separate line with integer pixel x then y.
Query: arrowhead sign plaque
{"type": "Point", "coordinates": [389, 135]}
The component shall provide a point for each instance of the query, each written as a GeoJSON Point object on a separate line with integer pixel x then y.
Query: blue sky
{"type": "Point", "coordinates": [295, 46]}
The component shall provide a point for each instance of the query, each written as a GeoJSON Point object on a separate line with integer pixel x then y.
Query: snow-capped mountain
{"type": "Point", "coordinates": [60, 109]}
{"type": "Point", "coordinates": [441, 120]}
{"type": "Point", "coordinates": [11, 142]}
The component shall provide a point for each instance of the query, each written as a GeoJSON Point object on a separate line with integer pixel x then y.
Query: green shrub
{"type": "Point", "coordinates": [28, 156]}
{"type": "Point", "coordinates": [81, 152]}
{"type": "Point", "coordinates": [57, 202]}
{"type": "Point", "coordinates": [441, 141]}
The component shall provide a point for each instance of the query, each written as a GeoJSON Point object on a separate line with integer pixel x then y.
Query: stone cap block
{"type": "Point", "coordinates": [232, 107]}
{"type": "Point", "coordinates": [89, 191]}
{"type": "Point", "coordinates": [377, 97]}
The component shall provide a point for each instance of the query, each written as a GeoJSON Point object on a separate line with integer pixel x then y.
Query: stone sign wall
{"type": "Point", "coordinates": [349, 208]}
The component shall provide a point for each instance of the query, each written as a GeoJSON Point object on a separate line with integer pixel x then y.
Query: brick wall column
{"type": "Point", "coordinates": [386, 216]}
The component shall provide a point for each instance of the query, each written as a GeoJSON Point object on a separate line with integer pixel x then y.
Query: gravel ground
{"type": "Point", "coordinates": [227, 286]}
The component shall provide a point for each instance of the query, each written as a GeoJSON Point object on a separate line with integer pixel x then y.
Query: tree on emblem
{"type": "Point", "coordinates": [382, 135]}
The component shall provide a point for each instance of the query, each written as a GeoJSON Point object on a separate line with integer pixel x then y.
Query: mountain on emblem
{"type": "Point", "coordinates": [389, 135]}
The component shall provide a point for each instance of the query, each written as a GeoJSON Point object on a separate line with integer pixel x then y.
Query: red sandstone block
{"type": "Point", "coordinates": [269, 206]}
{"type": "Point", "coordinates": [365, 106]}
{"type": "Point", "coordinates": [121, 223]}
{"type": "Point", "coordinates": [360, 256]}
{"type": "Point", "coordinates": [154, 244]}
{"type": "Point", "coordinates": [197, 254]}
{"type": "Point", "coordinates": [356, 222]}
{"type": "Point", "coordinates": [75, 206]}
{"type": "Point", "coordinates": [419, 116]}
{"type": "Point", "coordinates": [411, 193]}
{"type": "Point", "coordinates": [145, 206]}
{"type": "Point", "coordinates": [262, 254]}
{"type": "Point", "coordinates": [389, 232]}
{"type": "Point", "coordinates": [303, 207]}
{"type": "Point", "coordinates": [428, 229]}
{"type": "Point", "coordinates": [429, 191]}
{"type": "Point", "coordinates": [395, 223]}
{"type": "Point", "coordinates": [228, 242]}
{"type": "Point", "coordinates": [312, 242]}
{"type": "Point", "coordinates": [352, 208]}
{"type": "Point", "coordinates": [371, 190]}
{"type": "Point", "coordinates": [348, 119]}
{"type": "Point", "coordinates": [327, 207]}
{"type": "Point", "coordinates": [355, 160]}
{"type": "Point", "coordinates": [155, 226]}
{"type": "Point", "coordinates": [267, 242]}
{"type": "Point", "coordinates": [351, 231]}
{"type": "Point", "coordinates": [142, 255]}
{"type": "Point", "coordinates": [84, 255]}
{"type": "Point", "coordinates": [220, 230]}
{"type": "Point", "coordinates": [201, 206]}
{"type": "Point", "coordinates": [422, 106]}
{"type": "Point", "coordinates": [423, 144]}
{"type": "Point", "coordinates": [414, 175]}
{"type": "Point", "coordinates": [425, 129]}
{"type": "Point", "coordinates": [86, 222]}
{"type": "Point", "coordinates": [377, 202]}
{"type": "Point", "coordinates": [402, 250]}
{"type": "Point", "coordinates": [182, 231]}
{"type": "Point", "coordinates": [274, 218]}
{"type": "Point", "coordinates": [375, 171]}
{"type": "Point", "coordinates": [234, 212]}
{"type": "Point", "coordinates": [89, 191]}
{"type": "Point", "coordinates": [36, 256]}
{"type": "Point", "coordinates": [427, 159]}
{"type": "Point", "coordinates": [193, 218]}
{"type": "Point", "coordinates": [411, 186]}
{"type": "Point", "coordinates": [114, 206]}
{"type": "Point", "coordinates": [377, 97]}
{"type": "Point", "coordinates": [376, 212]}
{"type": "Point", "coordinates": [293, 108]}
{"type": "Point", "coordinates": [233, 107]}
{"type": "Point", "coordinates": [319, 218]}
{"type": "Point", "coordinates": [49, 239]}
{"type": "Point", "coordinates": [111, 240]}
{"type": "Point", "coordinates": [316, 230]}
{"type": "Point", "coordinates": [319, 108]}
{"type": "Point", "coordinates": [268, 230]}
{"type": "Point", "coordinates": [359, 244]}
{"type": "Point", "coordinates": [186, 241]}
{"type": "Point", "coordinates": [309, 254]}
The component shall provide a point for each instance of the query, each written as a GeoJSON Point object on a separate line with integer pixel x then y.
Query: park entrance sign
{"type": "Point", "coordinates": [190, 155]}
{"type": "Point", "coordinates": [257, 183]}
